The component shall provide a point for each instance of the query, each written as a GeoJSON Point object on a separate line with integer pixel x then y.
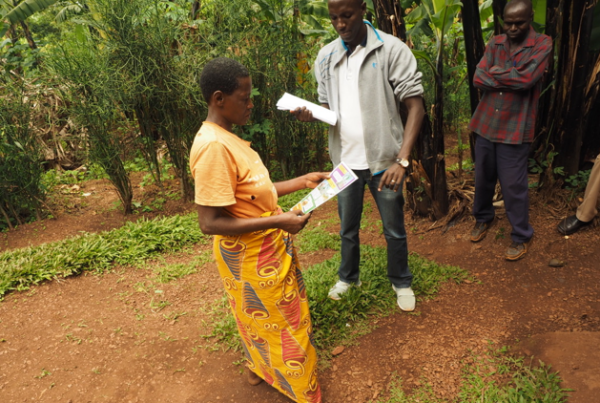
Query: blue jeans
{"type": "Point", "coordinates": [390, 205]}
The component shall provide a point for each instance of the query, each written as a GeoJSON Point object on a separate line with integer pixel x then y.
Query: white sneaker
{"type": "Point", "coordinates": [340, 288]}
{"type": "Point", "coordinates": [406, 298]}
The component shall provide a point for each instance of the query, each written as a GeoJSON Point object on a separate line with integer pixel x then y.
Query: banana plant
{"type": "Point", "coordinates": [27, 8]}
{"type": "Point", "coordinates": [312, 13]}
{"type": "Point", "coordinates": [435, 17]}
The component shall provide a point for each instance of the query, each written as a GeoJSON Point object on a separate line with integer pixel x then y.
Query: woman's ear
{"type": "Point", "coordinates": [217, 98]}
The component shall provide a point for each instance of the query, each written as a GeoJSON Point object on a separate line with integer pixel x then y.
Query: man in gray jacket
{"type": "Point", "coordinates": [363, 76]}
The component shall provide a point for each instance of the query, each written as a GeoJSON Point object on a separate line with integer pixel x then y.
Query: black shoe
{"type": "Point", "coordinates": [480, 230]}
{"type": "Point", "coordinates": [571, 225]}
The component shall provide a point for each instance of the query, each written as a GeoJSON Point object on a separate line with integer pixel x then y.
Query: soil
{"type": "Point", "coordinates": [125, 337]}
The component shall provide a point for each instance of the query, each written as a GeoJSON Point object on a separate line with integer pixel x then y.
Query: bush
{"type": "Point", "coordinates": [22, 194]}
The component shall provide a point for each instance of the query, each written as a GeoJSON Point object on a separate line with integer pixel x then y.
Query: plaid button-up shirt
{"type": "Point", "coordinates": [511, 86]}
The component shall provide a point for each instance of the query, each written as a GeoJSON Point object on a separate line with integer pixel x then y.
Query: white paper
{"type": "Point", "coordinates": [339, 179]}
{"type": "Point", "coordinates": [289, 102]}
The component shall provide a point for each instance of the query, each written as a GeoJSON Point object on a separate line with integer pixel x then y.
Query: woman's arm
{"type": "Point", "coordinates": [309, 181]}
{"type": "Point", "coordinates": [213, 221]}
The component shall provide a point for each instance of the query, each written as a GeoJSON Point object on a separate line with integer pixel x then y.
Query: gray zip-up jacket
{"type": "Point", "coordinates": [387, 76]}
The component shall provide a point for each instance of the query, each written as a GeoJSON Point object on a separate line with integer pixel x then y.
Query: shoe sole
{"type": "Point", "coordinates": [516, 257]}
{"type": "Point", "coordinates": [520, 255]}
{"type": "Point", "coordinates": [406, 310]}
{"type": "Point", "coordinates": [582, 228]}
{"type": "Point", "coordinates": [480, 237]}
{"type": "Point", "coordinates": [339, 297]}
{"type": "Point", "coordinates": [483, 234]}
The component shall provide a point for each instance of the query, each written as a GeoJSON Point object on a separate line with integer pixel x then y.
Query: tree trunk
{"type": "Point", "coordinates": [546, 103]}
{"type": "Point", "coordinates": [28, 35]}
{"type": "Point", "coordinates": [426, 185]}
{"type": "Point", "coordinates": [435, 163]}
{"type": "Point", "coordinates": [390, 18]}
{"type": "Point", "coordinates": [568, 116]}
{"type": "Point", "coordinates": [498, 7]}
{"type": "Point", "coordinates": [474, 48]}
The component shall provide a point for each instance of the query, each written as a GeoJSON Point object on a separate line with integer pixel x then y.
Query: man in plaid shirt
{"type": "Point", "coordinates": [509, 76]}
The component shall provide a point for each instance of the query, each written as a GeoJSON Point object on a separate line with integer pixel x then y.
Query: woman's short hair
{"type": "Point", "coordinates": [221, 74]}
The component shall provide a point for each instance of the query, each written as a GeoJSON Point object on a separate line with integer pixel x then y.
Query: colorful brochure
{"type": "Point", "coordinates": [339, 179]}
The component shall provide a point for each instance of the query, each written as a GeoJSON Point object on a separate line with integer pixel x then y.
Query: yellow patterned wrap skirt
{"type": "Point", "coordinates": [266, 292]}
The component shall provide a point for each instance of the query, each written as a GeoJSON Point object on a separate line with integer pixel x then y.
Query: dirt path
{"type": "Point", "coordinates": [124, 337]}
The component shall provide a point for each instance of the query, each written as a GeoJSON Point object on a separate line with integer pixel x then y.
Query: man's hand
{"type": "Point", "coordinates": [303, 114]}
{"type": "Point", "coordinates": [314, 178]}
{"type": "Point", "coordinates": [392, 178]}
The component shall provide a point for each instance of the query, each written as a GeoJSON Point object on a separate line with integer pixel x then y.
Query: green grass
{"type": "Point", "coordinates": [288, 201]}
{"type": "Point", "coordinates": [314, 238]}
{"type": "Point", "coordinates": [224, 333]}
{"type": "Point", "coordinates": [336, 322]}
{"type": "Point", "coordinates": [494, 377]}
{"type": "Point", "coordinates": [169, 272]}
{"type": "Point", "coordinates": [130, 244]}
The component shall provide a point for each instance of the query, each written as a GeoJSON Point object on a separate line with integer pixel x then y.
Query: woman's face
{"type": "Point", "coordinates": [238, 105]}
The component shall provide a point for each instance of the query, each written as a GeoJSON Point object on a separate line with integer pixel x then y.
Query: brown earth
{"type": "Point", "coordinates": [125, 337]}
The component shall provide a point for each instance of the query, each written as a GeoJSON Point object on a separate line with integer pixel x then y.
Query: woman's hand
{"type": "Point", "coordinates": [293, 221]}
{"type": "Point", "coordinates": [308, 181]}
{"type": "Point", "coordinates": [314, 178]}
{"type": "Point", "coordinates": [214, 222]}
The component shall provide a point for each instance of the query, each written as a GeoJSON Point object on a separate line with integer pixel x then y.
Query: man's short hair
{"type": "Point", "coordinates": [221, 74]}
{"type": "Point", "coordinates": [358, 2]}
{"type": "Point", "coordinates": [516, 3]}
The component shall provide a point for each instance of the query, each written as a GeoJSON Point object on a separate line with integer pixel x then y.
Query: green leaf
{"type": "Point", "coordinates": [486, 10]}
{"type": "Point", "coordinates": [595, 39]}
{"type": "Point", "coordinates": [406, 4]}
{"type": "Point", "coordinates": [421, 28]}
{"type": "Point", "coordinates": [26, 9]}
{"type": "Point", "coordinates": [539, 14]}
{"type": "Point", "coordinates": [416, 15]}
{"type": "Point", "coordinates": [420, 54]}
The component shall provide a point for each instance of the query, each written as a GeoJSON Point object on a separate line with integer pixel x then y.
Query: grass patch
{"type": "Point", "coordinates": [316, 238]}
{"type": "Point", "coordinates": [130, 244]}
{"type": "Point", "coordinates": [224, 333]}
{"type": "Point", "coordinates": [495, 377]}
{"type": "Point", "coordinates": [336, 321]}
{"type": "Point", "coordinates": [168, 272]}
{"type": "Point", "coordinates": [342, 321]}
{"type": "Point", "coordinates": [290, 200]}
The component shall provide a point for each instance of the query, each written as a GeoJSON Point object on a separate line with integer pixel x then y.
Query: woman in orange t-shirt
{"type": "Point", "coordinates": [253, 248]}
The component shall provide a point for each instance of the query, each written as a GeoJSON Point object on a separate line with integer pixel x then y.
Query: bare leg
{"type": "Point", "coordinates": [253, 379]}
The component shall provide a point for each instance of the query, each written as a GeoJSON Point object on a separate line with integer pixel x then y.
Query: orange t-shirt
{"type": "Point", "coordinates": [230, 174]}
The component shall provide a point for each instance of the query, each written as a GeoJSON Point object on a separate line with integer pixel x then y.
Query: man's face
{"type": "Point", "coordinates": [347, 19]}
{"type": "Point", "coordinates": [517, 21]}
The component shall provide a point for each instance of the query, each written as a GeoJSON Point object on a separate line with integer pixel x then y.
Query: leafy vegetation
{"type": "Point", "coordinates": [130, 244]}
{"type": "Point", "coordinates": [125, 75]}
{"type": "Point", "coordinates": [22, 193]}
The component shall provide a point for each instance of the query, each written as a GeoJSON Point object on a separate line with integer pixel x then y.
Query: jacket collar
{"type": "Point", "coordinates": [374, 40]}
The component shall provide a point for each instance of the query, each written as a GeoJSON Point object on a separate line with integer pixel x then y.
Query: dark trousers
{"type": "Point", "coordinates": [390, 205]}
{"type": "Point", "coordinates": [507, 163]}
